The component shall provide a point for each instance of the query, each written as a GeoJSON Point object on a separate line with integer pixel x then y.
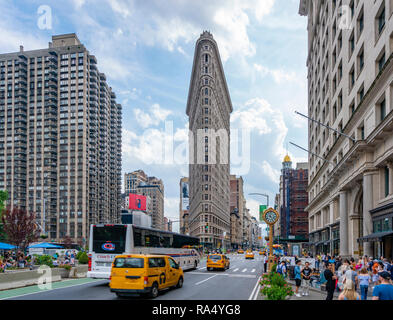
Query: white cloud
{"type": "Point", "coordinates": [273, 174]}
{"type": "Point", "coordinates": [278, 75]}
{"type": "Point", "coordinates": [153, 118]}
{"type": "Point", "coordinates": [172, 22]}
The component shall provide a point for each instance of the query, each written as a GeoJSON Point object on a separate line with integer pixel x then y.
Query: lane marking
{"type": "Point", "coordinates": [253, 270]}
{"type": "Point", "coordinates": [244, 270]}
{"type": "Point", "coordinates": [257, 291]}
{"type": "Point", "coordinates": [201, 268]}
{"type": "Point", "coordinates": [41, 291]}
{"type": "Point", "coordinates": [235, 269]}
{"type": "Point", "coordinates": [251, 297]}
{"type": "Point", "coordinates": [198, 283]}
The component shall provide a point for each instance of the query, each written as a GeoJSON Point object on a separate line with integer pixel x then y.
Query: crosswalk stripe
{"type": "Point", "coordinates": [235, 269]}
{"type": "Point", "coordinates": [253, 270]}
{"type": "Point", "coordinates": [244, 270]}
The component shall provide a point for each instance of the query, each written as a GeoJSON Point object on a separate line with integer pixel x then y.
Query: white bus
{"type": "Point", "coordinates": [109, 240]}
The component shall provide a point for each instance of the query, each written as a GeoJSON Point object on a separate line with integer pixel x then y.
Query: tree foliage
{"type": "Point", "coordinates": [67, 241]}
{"type": "Point", "coordinates": [3, 198]}
{"type": "Point", "coordinates": [20, 227]}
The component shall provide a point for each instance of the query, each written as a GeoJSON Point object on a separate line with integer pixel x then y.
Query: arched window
{"type": "Point", "coordinates": [206, 58]}
{"type": "Point", "coordinates": [206, 91]}
{"type": "Point", "coordinates": [206, 101]}
{"type": "Point", "coordinates": [206, 81]}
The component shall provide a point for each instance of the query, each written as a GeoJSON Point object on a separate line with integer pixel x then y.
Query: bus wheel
{"type": "Point", "coordinates": [180, 283]}
{"type": "Point", "coordinates": [209, 269]}
{"type": "Point", "coordinates": [154, 290]}
{"type": "Point", "coordinates": [195, 265]}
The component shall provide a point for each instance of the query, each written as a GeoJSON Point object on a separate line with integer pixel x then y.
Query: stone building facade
{"type": "Point", "coordinates": [209, 107]}
{"type": "Point", "coordinates": [350, 88]}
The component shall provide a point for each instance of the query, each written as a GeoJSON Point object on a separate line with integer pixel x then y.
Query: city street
{"type": "Point", "coordinates": [239, 282]}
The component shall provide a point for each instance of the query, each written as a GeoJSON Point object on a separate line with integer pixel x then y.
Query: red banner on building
{"type": "Point", "coordinates": [137, 202]}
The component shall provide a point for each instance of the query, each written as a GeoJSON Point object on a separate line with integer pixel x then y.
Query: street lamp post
{"type": "Point", "coordinates": [261, 194]}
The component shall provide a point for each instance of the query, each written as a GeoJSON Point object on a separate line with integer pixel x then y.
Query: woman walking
{"type": "Point", "coordinates": [364, 281]}
{"type": "Point", "coordinates": [349, 292]}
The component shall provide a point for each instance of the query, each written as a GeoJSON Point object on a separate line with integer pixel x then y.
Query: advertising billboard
{"type": "Point", "coordinates": [185, 197]}
{"type": "Point", "coordinates": [137, 202]}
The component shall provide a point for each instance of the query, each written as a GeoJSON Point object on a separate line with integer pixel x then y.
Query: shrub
{"type": "Point", "coordinates": [83, 258]}
{"type": "Point", "coordinates": [273, 268]}
{"type": "Point", "coordinates": [274, 287]}
{"type": "Point", "coordinates": [44, 260]}
{"type": "Point", "coordinates": [78, 255]}
{"type": "Point", "coordinates": [66, 266]}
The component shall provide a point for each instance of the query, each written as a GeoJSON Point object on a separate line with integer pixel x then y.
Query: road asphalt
{"type": "Point", "coordinates": [239, 282]}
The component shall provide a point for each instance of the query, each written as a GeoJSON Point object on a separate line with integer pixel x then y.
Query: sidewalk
{"type": "Point", "coordinates": [315, 293]}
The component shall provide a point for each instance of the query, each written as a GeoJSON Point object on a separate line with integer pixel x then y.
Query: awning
{"type": "Point", "coordinates": [375, 236]}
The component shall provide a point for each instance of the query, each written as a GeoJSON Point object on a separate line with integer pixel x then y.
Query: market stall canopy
{"type": "Point", "coordinates": [6, 246]}
{"type": "Point", "coordinates": [45, 245]}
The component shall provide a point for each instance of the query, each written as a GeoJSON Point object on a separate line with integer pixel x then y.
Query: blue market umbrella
{"type": "Point", "coordinates": [6, 246]}
{"type": "Point", "coordinates": [45, 245]}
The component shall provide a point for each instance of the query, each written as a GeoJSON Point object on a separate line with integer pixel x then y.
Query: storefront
{"type": "Point", "coordinates": [335, 239]}
{"type": "Point", "coordinates": [382, 236]}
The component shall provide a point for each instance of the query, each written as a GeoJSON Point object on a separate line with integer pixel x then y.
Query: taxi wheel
{"type": "Point", "coordinates": [180, 283]}
{"type": "Point", "coordinates": [209, 269]}
{"type": "Point", "coordinates": [119, 295]}
{"type": "Point", "coordinates": [154, 290]}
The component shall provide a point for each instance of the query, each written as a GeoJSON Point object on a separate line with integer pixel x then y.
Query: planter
{"type": "Point", "coordinates": [64, 273]}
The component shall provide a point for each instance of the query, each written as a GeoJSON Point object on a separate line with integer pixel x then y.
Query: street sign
{"type": "Point", "coordinates": [262, 208]}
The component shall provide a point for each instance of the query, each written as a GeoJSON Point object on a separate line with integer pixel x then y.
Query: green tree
{"type": "Point", "coordinates": [3, 199]}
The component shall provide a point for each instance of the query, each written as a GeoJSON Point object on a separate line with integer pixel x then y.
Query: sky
{"type": "Point", "coordinates": [146, 50]}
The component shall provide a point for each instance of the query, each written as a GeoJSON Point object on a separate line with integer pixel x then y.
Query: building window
{"type": "Point", "coordinates": [381, 20]}
{"type": "Point", "coordinates": [382, 107]}
{"type": "Point", "coordinates": [386, 173]}
{"type": "Point", "coordinates": [206, 58]}
{"type": "Point", "coordinates": [381, 62]}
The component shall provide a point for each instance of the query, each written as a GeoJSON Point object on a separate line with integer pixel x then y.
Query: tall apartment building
{"type": "Point", "coordinates": [236, 209]}
{"type": "Point", "coordinates": [209, 107]}
{"type": "Point", "coordinates": [138, 182]}
{"type": "Point", "coordinates": [247, 227]}
{"type": "Point", "coordinates": [60, 136]}
{"type": "Point", "coordinates": [184, 206]}
{"type": "Point", "coordinates": [350, 87]}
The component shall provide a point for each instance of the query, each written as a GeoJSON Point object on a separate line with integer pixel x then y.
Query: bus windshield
{"type": "Point", "coordinates": [109, 239]}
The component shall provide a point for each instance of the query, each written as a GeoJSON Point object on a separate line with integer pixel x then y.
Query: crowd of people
{"type": "Point", "coordinates": [352, 279]}
{"type": "Point", "coordinates": [15, 260]}
{"type": "Point", "coordinates": [12, 260]}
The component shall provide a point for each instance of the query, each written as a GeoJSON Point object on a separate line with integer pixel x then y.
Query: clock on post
{"type": "Point", "coordinates": [270, 216]}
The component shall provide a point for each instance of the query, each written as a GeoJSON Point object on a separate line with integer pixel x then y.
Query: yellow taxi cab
{"type": "Point", "coordinates": [261, 253]}
{"type": "Point", "coordinates": [249, 255]}
{"type": "Point", "coordinates": [240, 251]}
{"type": "Point", "coordinates": [144, 274]}
{"type": "Point", "coordinates": [217, 261]}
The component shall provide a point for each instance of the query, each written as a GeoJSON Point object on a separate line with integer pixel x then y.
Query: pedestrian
{"type": "Point", "coordinates": [306, 275]}
{"type": "Point", "coordinates": [282, 269]}
{"type": "Point", "coordinates": [384, 291]}
{"type": "Point", "coordinates": [317, 261]}
{"type": "Point", "coordinates": [265, 263]}
{"type": "Point", "coordinates": [350, 274]}
{"type": "Point", "coordinates": [330, 281]}
{"type": "Point", "coordinates": [359, 265]}
{"type": "Point", "coordinates": [298, 278]}
{"type": "Point", "coordinates": [374, 272]}
{"type": "Point", "coordinates": [349, 292]}
{"type": "Point", "coordinates": [364, 282]}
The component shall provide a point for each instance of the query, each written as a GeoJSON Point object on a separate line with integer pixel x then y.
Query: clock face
{"type": "Point", "coordinates": [271, 217]}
